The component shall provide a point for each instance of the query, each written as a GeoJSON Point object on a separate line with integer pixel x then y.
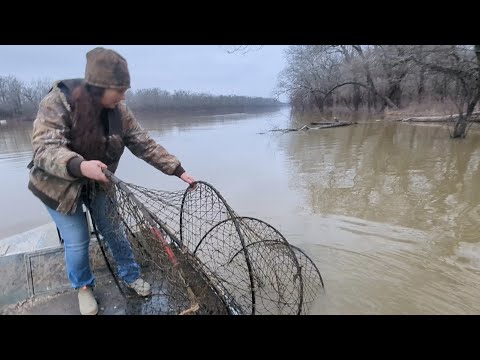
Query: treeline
{"type": "Point", "coordinates": [160, 100]}
{"type": "Point", "coordinates": [20, 100]}
{"type": "Point", "coordinates": [373, 77]}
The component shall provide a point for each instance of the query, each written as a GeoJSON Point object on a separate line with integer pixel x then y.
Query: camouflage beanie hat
{"type": "Point", "coordinates": [107, 69]}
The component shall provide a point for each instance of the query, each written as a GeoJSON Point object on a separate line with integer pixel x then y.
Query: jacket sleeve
{"type": "Point", "coordinates": [50, 138]}
{"type": "Point", "coordinates": [145, 148]}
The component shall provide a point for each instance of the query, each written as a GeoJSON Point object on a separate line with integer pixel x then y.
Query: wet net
{"type": "Point", "coordinates": [200, 257]}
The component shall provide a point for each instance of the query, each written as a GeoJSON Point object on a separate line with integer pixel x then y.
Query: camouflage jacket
{"type": "Point", "coordinates": [55, 176]}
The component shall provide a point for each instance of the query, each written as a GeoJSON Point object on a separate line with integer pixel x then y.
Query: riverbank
{"type": "Point", "coordinates": [415, 113]}
{"type": "Point", "coordinates": [427, 117]}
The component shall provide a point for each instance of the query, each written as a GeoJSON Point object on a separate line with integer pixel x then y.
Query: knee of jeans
{"type": "Point", "coordinates": [79, 244]}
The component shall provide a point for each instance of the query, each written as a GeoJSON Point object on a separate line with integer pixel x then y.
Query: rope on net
{"type": "Point", "coordinates": [203, 258]}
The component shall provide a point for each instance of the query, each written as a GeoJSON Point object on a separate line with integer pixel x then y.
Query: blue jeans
{"type": "Point", "coordinates": [74, 232]}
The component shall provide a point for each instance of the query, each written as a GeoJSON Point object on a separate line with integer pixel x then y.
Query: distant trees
{"type": "Point", "coordinates": [20, 100]}
{"type": "Point", "coordinates": [373, 77]}
{"type": "Point", "coordinates": [160, 100]}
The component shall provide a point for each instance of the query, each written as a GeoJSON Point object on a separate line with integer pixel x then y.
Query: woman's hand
{"type": "Point", "coordinates": [92, 169]}
{"type": "Point", "coordinates": [188, 179]}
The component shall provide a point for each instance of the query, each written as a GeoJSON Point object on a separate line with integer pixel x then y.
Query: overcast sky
{"type": "Point", "coordinates": [196, 68]}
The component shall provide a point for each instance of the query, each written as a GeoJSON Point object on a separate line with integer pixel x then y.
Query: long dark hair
{"type": "Point", "coordinates": [86, 120]}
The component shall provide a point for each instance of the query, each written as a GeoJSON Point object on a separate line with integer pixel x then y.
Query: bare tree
{"type": "Point", "coordinates": [462, 65]}
{"type": "Point", "coordinates": [372, 91]}
{"type": "Point", "coordinates": [314, 72]}
{"type": "Point", "coordinates": [395, 65]}
{"type": "Point", "coordinates": [10, 96]}
{"type": "Point", "coordinates": [386, 99]}
{"type": "Point", "coordinates": [33, 93]}
{"type": "Point", "coordinates": [310, 72]}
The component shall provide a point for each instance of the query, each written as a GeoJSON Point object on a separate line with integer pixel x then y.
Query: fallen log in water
{"type": "Point", "coordinates": [317, 126]}
{"type": "Point", "coordinates": [474, 117]}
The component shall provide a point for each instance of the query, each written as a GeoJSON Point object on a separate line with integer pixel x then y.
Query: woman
{"type": "Point", "coordinates": [82, 127]}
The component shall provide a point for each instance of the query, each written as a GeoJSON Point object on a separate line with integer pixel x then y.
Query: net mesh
{"type": "Point", "coordinates": [200, 257]}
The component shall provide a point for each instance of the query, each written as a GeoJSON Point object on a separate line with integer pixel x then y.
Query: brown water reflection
{"type": "Point", "coordinates": [403, 211]}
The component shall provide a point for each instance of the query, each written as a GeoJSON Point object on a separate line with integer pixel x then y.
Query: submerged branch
{"type": "Point", "coordinates": [315, 126]}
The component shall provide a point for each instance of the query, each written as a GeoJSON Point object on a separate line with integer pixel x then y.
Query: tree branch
{"type": "Point", "coordinates": [385, 98]}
